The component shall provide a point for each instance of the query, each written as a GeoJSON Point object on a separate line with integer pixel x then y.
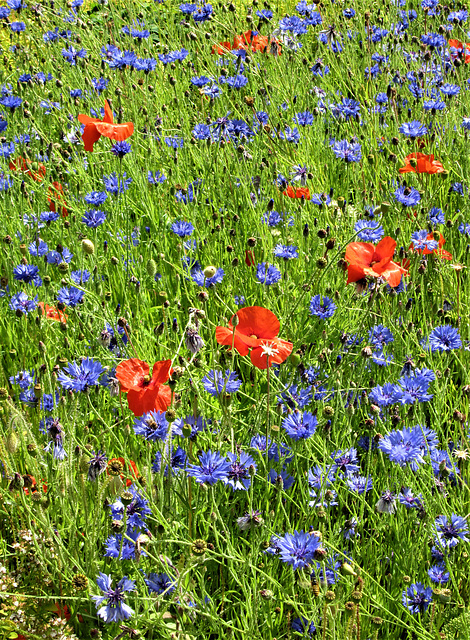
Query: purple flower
{"type": "Point", "coordinates": [417, 598]}
{"type": "Point", "coordinates": [212, 467]}
{"type": "Point", "coordinates": [298, 549]}
{"type": "Point", "coordinates": [115, 608]}
{"type": "Point", "coordinates": [451, 531]}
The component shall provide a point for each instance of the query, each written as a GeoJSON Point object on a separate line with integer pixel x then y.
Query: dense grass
{"type": "Point", "coordinates": [140, 293]}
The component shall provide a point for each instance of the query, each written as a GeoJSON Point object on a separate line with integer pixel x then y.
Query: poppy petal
{"type": "Point", "coordinates": [108, 113]}
{"type": "Point", "coordinates": [117, 132]}
{"type": "Point", "coordinates": [385, 249]}
{"type": "Point", "coordinates": [90, 136]}
{"type": "Point", "coordinates": [161, 371]}
{"type": "Point", "coordinates": [224, 336]}
{"type": "Point", "coordinates": [130, 373]}
{"type": "Point", "coordinates": [282, 350]}
{"type": "Point", "coordinates": [257, 322]}
{"type": "Point", "coordinates": [359, 253]}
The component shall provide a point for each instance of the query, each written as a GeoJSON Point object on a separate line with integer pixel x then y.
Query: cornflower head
{"type": "Point", "coordinates": [298, 549]}
{"type": "Point", "coordinates": [450, 531]}
{"type": "Point", "coordinates": [115, 608]}
{"type": "Point", "coordinates": [213, 467]}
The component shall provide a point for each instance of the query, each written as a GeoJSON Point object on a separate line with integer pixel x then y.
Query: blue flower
{"type": "Point", "coordinates": [436, 216]}
{"type": "Point", "coordinates": [137, 511]}
{"type": "Point", "coordinates": [304, 118]}
{"type": "Point", "coordinates": [290, 135]}
{"type": "Point", "coordinates": [368, 230]}
{"type": "Point", "coordinates": [96, 465]}
{"type": "Point", "coordinates": [438, 573]}
{"type": "Point", "coordinates": [322, 308]}
{"type": "Point", "coordinates": [70, 296]}
{"type": "Point", "coordinates": [28, 273]}
{"type": "Point", "coordinates": [413, 129]}
{"type": "Point", "coordinates": [121, 549]}
{"type": "Point", "coordinates": [298, 549]}
{"type": "Point", "coordinates": [156, 177]}
{"type": "Point", "coordinates": [359, 484]}
{"type": "Point", "coordinates": [450, 531]}
{"type": "Point", "coordinates": [197, 275]}
{"type": "Point", "coordinates": [160, 583]}
{"type": "Point", "coordinates": [417, 598]}
{"type": "Point", "coordinates": [283, 477]}
{"type": "Point", "coordinates": [407, 196]}
{"type": "Point", "coordinates": [239, 473]}
{"type": "Point", "coordinates": [195, 423]}
{"type": "Point", "coordinates": [216, 383]}
{"type": "Point", "coordinates": [405, 446]}
{"type": "Point", "coordinates": [94, 218]}
{"type": "Point", "coordinates": [121, 148]}
{"type": "Point", "coordinates": [267, 274]}
{"type": "Point", "coordinates": [345, 462]}
{"type": "Point", "coordinates": [79, 377]}
{"type": "Point", "coordinates": [177, 459]}
{"type": "Point", "coordinates": [379, 336]}
{"type": "Point", "coordinates": [304, 625]}
{"type": "Point", "coordinates": [115, 608]}
{"type": "Point", "coordinates": [96, 198]}
{"type": "Point", "coordinates": [444, 338]}
{"type": "Point", "coordinates": [212, 467]}
{"type": "Point", "coordinates": [152, 426]}
{"type": "Point", "coordinates": [349, 152]}
{"type": "Point", "coordinates": [21, 303]}
{"type": "Point", "coordinates": [113, 185]}
{"type": "Point", "coordinates": [287, 252]}
{"type": "Point", "coordinates": [300, 426]}
{"type": "Point", "coordinates": [182, 228]}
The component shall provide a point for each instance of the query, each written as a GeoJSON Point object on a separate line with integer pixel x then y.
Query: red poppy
{"type": "Point", "coordinates": [222, 48]}
{"type": "Point", "coordinates": [300, 192]}
{"type": "Point", "coordinates": [460, 49]}
{"type": "Point", "coordinates": [145, 392]}
{"type": "Point", "coordinates": [132, 470]}
{"type": "Point", "coordinates": [56, 198]}
{"type": "Point", "coordinates": [422, 164]}
{"type": "Point", "coordinates": [366, 260]}
{"type": "Point", "coordinates": [95, 128]}
{"type": "Point", "coordinates": [257, 329]}
{"type": "Point", "coordinates": [442, 253]}
{"type": "Point", "coordinates": [52, 313]}
{"type": "Point", "coordinates": [31, 485]}
{"type": "Point", "coordinates": [246, 41]}
{"type": "Point", "coordinates": [36, 170]}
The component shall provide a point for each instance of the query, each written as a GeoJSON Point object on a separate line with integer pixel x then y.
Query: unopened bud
{"type": "Point", "coordinates": [88, 247]}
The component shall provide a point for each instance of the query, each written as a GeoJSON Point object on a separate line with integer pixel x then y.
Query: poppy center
{"type": "Point", "coordinates": [146, 379]}
{"type": "Point", "coordinates": [253, 336]}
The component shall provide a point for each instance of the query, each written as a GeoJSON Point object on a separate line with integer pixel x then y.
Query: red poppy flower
{"type": "Point", "coordinates": [131, 470]}
{"type": "Point", "coordinates": [422, 164]}
{"type": "Point", "coordinates": [56, 198]}
{"type": "Point", "coordinates": [460, 48]}
{"type": "Point", "coordinates": [36, 170]}
{"type": "Point", "coordinates": [246, 41]}
{"type": "Point", "coordinates": [52, 313]}
{"type": "Point", "coordinates": [95, 128]}
{"type": "Point", "coordinates": [366, 260]}
{"type": "Point", "coordinates": [145, 392]}
{"type": "Point", "coordinates": [300, 192]}
{"type": "Point", "coordinates": [442, 253]}
{"type": "Point", "coordinates": [257, 330]}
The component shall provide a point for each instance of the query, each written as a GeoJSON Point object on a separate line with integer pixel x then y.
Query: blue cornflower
{"type": "Point", "coordinates": [113, 185]}
{"type": "Point", "coordinates": [300, 426]}
{"type": "Point", "coordinates": [70, 296]}
{"type": "Point", "coordinates": [434, 105]}
{"type": "Point", "coordinates": [212, 91]}
{"type": "Point", "coordinates": [195, 423]}
{"type": "Point", "coordinates": [182, 228]}
{"type": "Point", "coordinates": [273, 218]}
{"type": "Point", "coordinates": [303, 625]}
{"type": "Point", "coordinates": [318, 477]}
{"type": "Point", "coordinates": [264, 14]}
{"type": "Point", "coordinates": [115, 608]}
{"type": "Point", "coordinates": [160, 583]}
{"type": "Point", "coordinates": [201, 132]}
{"type": "Point", "coordinates": [212, 467]}
{"type": "Point", "coordinates": [24, 379]}
{"type": "Point", "coordinates": [156, 177]}
{"type": "Point", "coordinates": [121, 549]}
{"type": "Point", "coordinates": [190, 194]}
{"type": "Point", "coordinates": [287, 252]}
{"type": "Point", "coordinates": [137, 511]}
{"type": "Point", "coordinates": [79, 377]}
{"type": "Point", "coordinates": [433, 40]}
{"type": "Point", "coordinates": [459, 16]}
{"type": "Point", "coordinates": [17, 27]}
{"type": "Point", "coordinates": [7, 149]}
{"type": "Point", "coordinates": [177, 459]}
{"type": "Point", "coordinates": [323, 498]}
{"type": "Point", "coordinates": [94, 218]}
{"type": "Point", "coordinates": [267, 274]}
{"type": "Point", "coordinates": [451, 531]}
{"type": "Point", "coordinates": [216, 383]}
{"type": "Point", "coordinates": [11, 102]}
{"type": "Point", "coordinates": [436, 216]}
{"type": "Point", "coordinates": [54, 429]}
{"type": "Point", "coordinates": [96, 198]}
{"type": "Point", "coordinates": [239, 473]}
{"type": "Point", "coordinates": [345, 462]}
{"type": "Point", "coordinates": [379, 336]}
{"type": "Point", "coordinates": [449, 90]}
{"type": "Point", "coordinates": [359, 484]}
{"type": "Point", "coordinates": [200, 81]}
{"type": "Point", "coordinates": [408, 499]}
{"type": "Point", "coordinates": [322, 307]}
{"type": "Point", "coordinates": [464, 228]}
{"type": "Point", "coordinates": [28, 273]}
{"type": "Point", "coordinates": [349, 152]}
{"type": "Point", "coordinates": [300, 172]}
{"type": "Point", "coordinates": [6, 181]}
{"type": "Point", "coordinates": [386, 395]}
{"type": "Point", "coordinates": [121, 148]}
{"type": "Point", "coordinates": [21, 303]}
{"type": "Point", "coordinates": [417, 598]}
{"type": "Point", "coordinates": [152, 426]}
{"type": "Point", "coordinates": [298, 549]}
{"type": "Point", "coordinates": [304, 118]}
{"type": "Point", "coordinates": [283, 476]}
{"type": "Point", "coordinates": [56, 257]}
{"type": "Point", "coordinates": [381, 359]}
{"type": "Point", "coordinates": [413, 129]}
{"type": "Point", "coordinates": [174, 142]}
{"type": "Point", "coordinates": [404, 446]}
{"type": "Point", "coordinates": [80, 276]}
{"type": "Point", "coordinates": [197, 276]}
{"type": "Point", "coordinates": [407, 196]}
{"type": "Point", "coordinates": [444, 338]}
{"type": "Point", "coordinates": [369, 230]}
{"type": "Point", "coordinates": [236, 82]}
{"type": "Point", "coordinates": [72, 55]}
{"type": "Point", "coordinates": [96, 465]}
{"type": "Point", "coordinates": [290, 135]}
{"type": "Point", "coordinates": [438, 573]}
{"type": "Point", "coordinates": [465, 124]}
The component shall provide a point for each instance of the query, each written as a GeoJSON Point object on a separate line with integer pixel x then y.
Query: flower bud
{"type": "Point", "coordinates": [210, 271]}
{"type": "Point", "coordinates": [88, 247]}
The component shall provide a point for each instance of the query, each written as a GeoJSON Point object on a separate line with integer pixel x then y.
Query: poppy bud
{"type": "Point", "coordinates": [209, 272]}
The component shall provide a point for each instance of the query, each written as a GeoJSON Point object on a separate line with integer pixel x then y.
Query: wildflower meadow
{"type": "Point", "coordinates": [234, 320]}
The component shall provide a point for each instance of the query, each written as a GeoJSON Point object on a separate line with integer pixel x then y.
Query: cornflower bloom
{"type": "Point", "coordinates": [79, 377]}
{"type": "Point", "coordinates": [239, 475]}
{"type": "Point", "coordinates": [212, 467]}
{"type": "Point", "coordinates": [450, 531]}
{"type": "Point", "coordinates": [417, 598]}
{"type": "Point", "coordinates": [216, 383]}
{"type": "Point", "coordinates": [300, 426]}
{"type": "Point", "coordinates": [115, 608]}
{"type": "Point", "coordinates": [297, 549]}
